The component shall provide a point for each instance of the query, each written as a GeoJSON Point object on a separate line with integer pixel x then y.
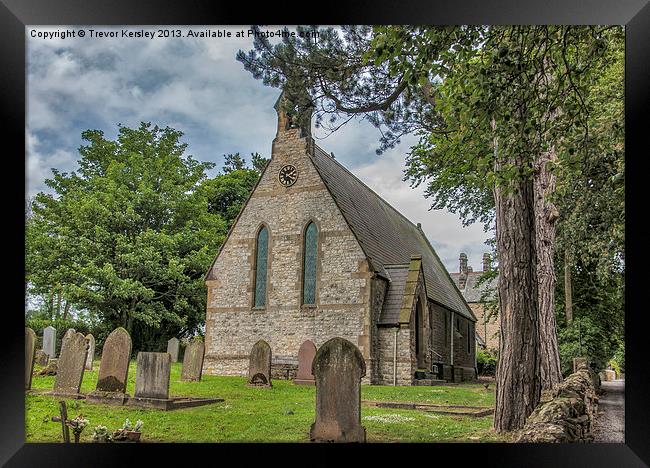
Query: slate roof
{"type": "Point", "coordinates": [385, 235]}
{"type": "Point", "coordinates": [393, 300]}
{"type": "Point", "coordinates": [472, 292]}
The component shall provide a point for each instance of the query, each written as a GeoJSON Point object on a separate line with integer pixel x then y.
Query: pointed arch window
{"type": "Point", "coordinates": [310, 261]}
{"type": "Point", "coordinates": [261, 263]}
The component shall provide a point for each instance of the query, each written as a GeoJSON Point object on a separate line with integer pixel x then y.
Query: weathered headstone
{"type": "Point", "coordinates": [306, 355]}
{"type": "Point", "coordinates": [49, 341]}
{"type": "Point", "coordinates": [71, 364]}
{"type": "Point", "coordinates": [259, 367]}
{"type": "Point", "coordinates": [41, 357]}
{"type": "Point", "coordinates": [172, 348]}
{"type": "Point", "coordinates": [338, 368]}
{"type": "Point", "coordinates": [152, 375]}
{"type": "Point", "coordinates": [193, 361]}
{"type": "Point", "coordinates": [91, 351]}
{"type": "Point", "coordinates": [114, 366]}
{"type": "Point", "coordinates": [30, 349]}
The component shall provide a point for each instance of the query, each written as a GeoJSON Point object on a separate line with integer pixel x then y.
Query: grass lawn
{"type": "Point", "coordinates": [283, 413]}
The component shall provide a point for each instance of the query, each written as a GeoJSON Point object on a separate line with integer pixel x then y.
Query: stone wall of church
{"type": "Point", "coordinates": [403, 365]}
{"type": "Point", "coordinates": [379, 289]}
{"type": "Point", "coordinates": [463, 360]}
{"type": "Point", "coordinates": [233, 325]}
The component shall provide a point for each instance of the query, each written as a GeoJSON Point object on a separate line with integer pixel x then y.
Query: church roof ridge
{"type": "Point", "coordinates": [385, 238]}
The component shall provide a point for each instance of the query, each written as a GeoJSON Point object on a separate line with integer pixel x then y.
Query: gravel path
{"type": "Point", "coordinates": [609, 426]}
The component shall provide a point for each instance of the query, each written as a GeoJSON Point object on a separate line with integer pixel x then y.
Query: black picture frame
{"type": "Point", "coordinates": [16, 14]}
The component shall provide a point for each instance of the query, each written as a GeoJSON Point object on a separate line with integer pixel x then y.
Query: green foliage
{"type": "Point", "coordinates": [227, 193]}
{"type": "Point", "coordinates": [486, 361]}
{"type": "Point", "coordinates": [597, 330]}
{"type": "Point", "coordinates": [127, 236]}
{"type": "Point", "coordinates": [61, 325]}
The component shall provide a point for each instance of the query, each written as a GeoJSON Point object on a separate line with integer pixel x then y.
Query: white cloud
{"type": "Point", "coordinates": [197, 86]}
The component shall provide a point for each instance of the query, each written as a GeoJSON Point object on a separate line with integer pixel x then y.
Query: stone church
{"type": "Point", "coordinates": [314, 254]}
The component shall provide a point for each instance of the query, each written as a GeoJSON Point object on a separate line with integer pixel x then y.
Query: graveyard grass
{"type": "Point", "coordinates": [283, 413]}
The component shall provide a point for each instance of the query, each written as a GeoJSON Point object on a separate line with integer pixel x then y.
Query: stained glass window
{"type": "Point", "coordinates": [309, 266]}
{"type": "Point", "coordinates": [261, 259]}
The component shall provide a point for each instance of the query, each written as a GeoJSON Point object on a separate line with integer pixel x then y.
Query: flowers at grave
{"type": "Point", "coordinates": [101, 434]}
{"type": "Point", "coordinates": [77, 424]}
{"type": "Point", "coordinates": [127, 431]}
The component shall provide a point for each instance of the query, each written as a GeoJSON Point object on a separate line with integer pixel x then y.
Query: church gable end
{"type": "Point", "coordinates": [315, 298]}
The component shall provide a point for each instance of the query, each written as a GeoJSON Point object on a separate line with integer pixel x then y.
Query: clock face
{"type": "Point", "coordinates": [288, 175]}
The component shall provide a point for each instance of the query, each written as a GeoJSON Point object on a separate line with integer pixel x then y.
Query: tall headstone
{"type": "Point", "coordinates": [306, 355]}
{"type": "Point", "coordinates": [30, 350]}
{"type": "Point", "coordinates": [49, 341]}
{"type": "Point", "coordinates": [193, 361]}
{"type": "Point", "coordinates": [114, 366]}
{"type": "Point", "coordinates": [71, 363]}
{"type": "Point", "coordinates": [172, 348]}
{"type": "Point", "coordinates": [338, 368]}
{"type": "Point", "coordinates": [91, 351]}
{"type": "Point", "coordinates": [259, 366]}
{"type": "Point", "coordinates": [152, 375]}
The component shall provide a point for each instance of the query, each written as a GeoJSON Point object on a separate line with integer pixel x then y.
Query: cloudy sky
{"type": "Point", "coordinates": [195, 85]}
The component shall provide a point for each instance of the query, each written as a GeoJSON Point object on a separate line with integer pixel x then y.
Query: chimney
{"type": "Point", "coordinates": [463, 263]}
{"type": "Point", "coordinates": [462, 278]}
{"type": "Point", "coordinates": [487, 263]}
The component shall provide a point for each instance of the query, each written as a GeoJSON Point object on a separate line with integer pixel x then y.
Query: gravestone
{"type": "Point", "coordinates": [338, 368]}
{"type": "Point", "coordinates": [259, 366]}
{"type": "Point", "coordinates": [71, 363]}
{"type": "Point", "coordinates": [41, 357]}
{"type": "Point", "coordinates": [113, 369]}
{"type": "Point", "coordinates": [193, 361]}
{"type": "Point", "coordinates": [172, 348]}
{"type": "Point", "coordinates": [152, 385]}
{"type": "Point", "coordinates": [152, 375]}
{"type": "Point", "coordinates": [49, 341]}
{"type": "Point", "coordinates": [30, 349]}
{"type": "Point", "coordinates": [306, 355]}
{"type": "Point", "coordinates": [91, 351]}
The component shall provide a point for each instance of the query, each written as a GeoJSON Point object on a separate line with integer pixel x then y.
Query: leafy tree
{"type": "Point", "coordinates": [227, 192]}
{"type": "Point", "coordinates": [497, 109]}
{"type": "Point", "coordinates": [128, 235]}
{"type": "Point", "coordinates": [233, 162]}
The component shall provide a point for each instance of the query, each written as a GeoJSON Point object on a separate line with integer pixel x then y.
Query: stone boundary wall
{"type": "Point", "coordinates": [568, 414]}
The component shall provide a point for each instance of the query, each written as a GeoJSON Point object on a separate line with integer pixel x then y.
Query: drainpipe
{"type": "Point", "coordinates": [452, 338]}
{"type": "Point", "coordinates": [395, 358]}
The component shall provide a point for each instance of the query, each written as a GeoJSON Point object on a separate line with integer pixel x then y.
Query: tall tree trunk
{"type": "Point", "coordinates": [51, 304]}
{"type": "Point", "coordinates": [66, 310]}
{"type": "Point", "coordinates": [568, 290]}
{"type": "Point", "coordinates": [546, 215]}
{"type": "Point", "coordinates": [58, 302]}
{"type": "Point", "coordinates": [518, 385]}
